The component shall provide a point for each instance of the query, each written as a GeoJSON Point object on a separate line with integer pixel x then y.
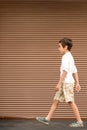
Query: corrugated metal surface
{"type": "Point", "coordinates": [29, 59]}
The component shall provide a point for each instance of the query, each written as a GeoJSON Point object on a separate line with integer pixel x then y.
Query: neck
{"type": "Point", "coordinates": [66, 51]}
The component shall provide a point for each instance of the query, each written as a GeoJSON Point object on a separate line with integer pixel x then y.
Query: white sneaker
{"type": "Point", "coordinates": [42, 120]}
{"type": "Point", "coordinates": [77, 124]}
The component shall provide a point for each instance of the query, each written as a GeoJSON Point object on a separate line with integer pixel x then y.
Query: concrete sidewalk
{"type": "Point", "coordinates": [35, 125]}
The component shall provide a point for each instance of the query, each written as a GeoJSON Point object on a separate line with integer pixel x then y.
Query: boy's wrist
{"type": "Point", "coordinates": [77, 83]}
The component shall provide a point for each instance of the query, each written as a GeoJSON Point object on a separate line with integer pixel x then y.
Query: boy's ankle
{"type": "Point", "coordinates": [47, 119]}
{"type": "Point", "coordinates": [80, 121]}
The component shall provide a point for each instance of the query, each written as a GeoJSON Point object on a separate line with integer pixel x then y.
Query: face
{"type": "Point", "coordinates": [61, 49]}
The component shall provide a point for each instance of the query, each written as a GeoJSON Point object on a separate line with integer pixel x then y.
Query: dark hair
{"type": "Point", "coordinates": [66, 42]}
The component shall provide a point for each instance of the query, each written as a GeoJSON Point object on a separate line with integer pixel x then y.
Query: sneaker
{"type": "Point", "coordinates": [42, 120]}
{"type": "Point", "coordinates": [77, 124]}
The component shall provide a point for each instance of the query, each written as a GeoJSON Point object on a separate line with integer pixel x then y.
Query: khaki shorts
{"type": "Point", "coordinates": [65, 93]}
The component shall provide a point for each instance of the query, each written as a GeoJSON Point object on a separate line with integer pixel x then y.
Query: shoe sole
{"type": "Point", "coordinates": [76, 126]}
{"type": "Point", "coordinates": [42, 121]}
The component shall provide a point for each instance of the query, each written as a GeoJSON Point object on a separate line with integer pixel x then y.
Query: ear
{"type": "Point", "coordinates": [66, 47]}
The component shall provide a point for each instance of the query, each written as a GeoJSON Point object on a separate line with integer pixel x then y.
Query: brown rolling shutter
{"type": "Point", "coordinates": [30, 61]}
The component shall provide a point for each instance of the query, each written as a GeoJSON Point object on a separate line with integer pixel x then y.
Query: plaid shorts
{"type": "Point", "coordinates": [65, 93]}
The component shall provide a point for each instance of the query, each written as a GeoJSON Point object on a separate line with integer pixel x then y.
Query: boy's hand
{"type": "Point", "coordinates": [78, 87]}
{"type": "Point", "coordinates": [58, 87]}
{"type": "Point", "coordinates": [60, 80]}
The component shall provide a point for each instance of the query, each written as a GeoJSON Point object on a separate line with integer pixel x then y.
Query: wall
{"type": "Point", "coordinates": [29, 58]}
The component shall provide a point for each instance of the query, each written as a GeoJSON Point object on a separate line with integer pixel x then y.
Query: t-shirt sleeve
{"type": "Point", "coordinates": [68, 65]}
{"type": "Point", "coordinates": [65, 64]}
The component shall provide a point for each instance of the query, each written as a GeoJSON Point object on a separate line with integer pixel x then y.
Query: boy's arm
{"type": "Point", "coordinates": [77, 81]}
{"type": "Point", "coordinates": [60, 80]}
{"type": "Point", "coordinates": [76, 77]}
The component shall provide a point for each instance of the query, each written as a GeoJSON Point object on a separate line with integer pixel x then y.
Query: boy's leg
{"type": "Point", "coordinates": [79, 122]}
{"type": "Point", "coordinates": [46, 119]}
{"type": "Point", "coordinates": [53, 108]}
{"type": "Point", "coordinates": [75, 110]}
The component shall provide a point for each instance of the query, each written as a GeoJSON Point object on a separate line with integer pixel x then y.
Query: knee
{"type": "Point", "coordinates": [55, 103]}
{"type": "Point", "coordinates": [70, 103]}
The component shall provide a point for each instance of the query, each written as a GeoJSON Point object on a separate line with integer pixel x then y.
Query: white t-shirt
{"type": "Point", "coordinates": [69, 66]}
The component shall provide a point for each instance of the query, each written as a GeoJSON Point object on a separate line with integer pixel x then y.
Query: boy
{"type": "Point", "coordinates": [65, 86]}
